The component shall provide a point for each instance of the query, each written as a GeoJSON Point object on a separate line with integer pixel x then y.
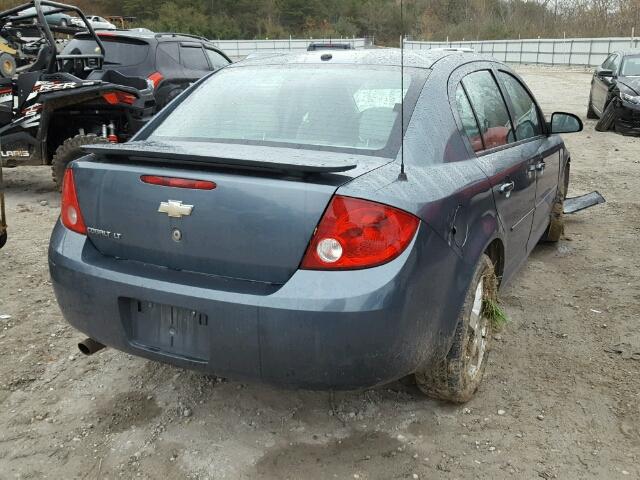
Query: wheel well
{"type": "Point", "coordinates": [495, 251]}
{"type": "Point", "coordinates": [61, 127]}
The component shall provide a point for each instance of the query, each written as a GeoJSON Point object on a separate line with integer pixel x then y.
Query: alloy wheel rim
{"type": "Point", "coordinates": [477, 334]}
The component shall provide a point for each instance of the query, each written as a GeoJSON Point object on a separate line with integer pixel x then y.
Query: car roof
{"type": "Point", "coordinates": [629, 52]}
{"type": "Point", "coordinates": [379, 56]}
{"type": "Point", "coordinates": [148, 36]}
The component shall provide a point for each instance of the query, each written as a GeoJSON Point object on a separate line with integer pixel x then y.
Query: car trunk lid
{"type": "Point", "coordinates": [255, 224]}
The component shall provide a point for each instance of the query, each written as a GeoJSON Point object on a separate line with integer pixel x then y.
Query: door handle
{"type": "Point", "coordinates": [506, 188]}
{"type": "Point", "coordinates": [540, 166]}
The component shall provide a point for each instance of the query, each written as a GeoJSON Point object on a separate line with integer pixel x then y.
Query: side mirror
{"type": "Point", "coordinates": [604, 72]}
{"type": "Point", "coordinates": [564, 123]}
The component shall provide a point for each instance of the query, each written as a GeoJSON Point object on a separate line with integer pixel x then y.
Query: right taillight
{"type": "Point", "coordinates": [155, 78]}
{"type": "Point", "coordinates": [355, 234]}
{"type": "Point", "coordinates": [70, 213]}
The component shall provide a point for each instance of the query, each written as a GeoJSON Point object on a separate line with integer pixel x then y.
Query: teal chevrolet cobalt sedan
{"type": "Point", "coordinates": [326, 220]}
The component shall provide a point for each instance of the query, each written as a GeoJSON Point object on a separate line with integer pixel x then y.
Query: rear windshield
{"type": "Point", "coordinates": [119, 51]}
{"type": "Point", "coordinates": [337, 107]}
{"type": "Point", "coordinates": [631, 66]}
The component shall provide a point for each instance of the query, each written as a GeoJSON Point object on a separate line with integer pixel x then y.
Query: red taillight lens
{"type": "Point", "coordinates": [70, 212]}
{"type": "Point", "coordinates": [178, 182]}
{"type": "Point", "coordinates": [155, 78]}
{"type": "Point", "coordinates": [115, 98]}
{"type": "Point", "coordinates": [356, 233]}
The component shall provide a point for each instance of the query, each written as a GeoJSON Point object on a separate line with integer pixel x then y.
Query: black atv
{"type": "Point", "coordinates": [61, 102]}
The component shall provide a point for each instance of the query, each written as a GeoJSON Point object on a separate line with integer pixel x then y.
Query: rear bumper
{"type": "Point", "coordinates": [338, 330]}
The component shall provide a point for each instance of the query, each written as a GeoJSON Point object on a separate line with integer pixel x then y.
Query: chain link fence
{"type": "Point", "coordinates": [587, 52]}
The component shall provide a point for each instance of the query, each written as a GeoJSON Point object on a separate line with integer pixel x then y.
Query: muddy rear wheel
{"type": "Point", "coordinates": [70, 150]}
{"type": "Point", "coordinates": [458, 376]}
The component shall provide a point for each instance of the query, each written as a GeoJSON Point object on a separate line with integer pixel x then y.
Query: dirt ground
{"type": "Point", "coordinates": [555, 402]}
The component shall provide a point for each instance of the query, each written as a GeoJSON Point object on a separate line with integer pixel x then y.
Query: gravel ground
{"type": "Point", "coordinates": [557, 402]}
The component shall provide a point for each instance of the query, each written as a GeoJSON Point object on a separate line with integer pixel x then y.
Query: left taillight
{"type": "Point", "coordinates": [70, 214]}
{"type": "Point", "coordinates": [355, 234]}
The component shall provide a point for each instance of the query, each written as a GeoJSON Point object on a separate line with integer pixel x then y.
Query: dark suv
{"type": "Point", "coordinates": [171, 61]}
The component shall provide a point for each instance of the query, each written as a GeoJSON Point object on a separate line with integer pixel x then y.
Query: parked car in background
{"type": "Point", "coordinates": [615, 93]}
{"type": "Point", "coordinates": [329, 46]}
{"type": "Point", "coordinates": [51, 14]}
{"type": "Point", "coordinates": [57, 103]}
{"type": "Point", "coordinates": [266, 224]}
{"type": "Point", "coordinates": [97, 22]}
{"type": "Point", "coordinates": [171, 61]}
{"type": "Point", "coordinates": [454, 49]}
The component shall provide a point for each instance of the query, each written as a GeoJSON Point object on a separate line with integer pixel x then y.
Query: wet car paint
{"type": "Point", "coordinates": [341, 329]}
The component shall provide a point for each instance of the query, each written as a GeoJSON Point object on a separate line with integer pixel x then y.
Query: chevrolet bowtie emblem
{"type": "Point", "coordinates": [175, 209]}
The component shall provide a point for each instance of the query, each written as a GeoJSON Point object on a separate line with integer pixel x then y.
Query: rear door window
{"type": "Point", "coordinates": [525, 111]}
{"type": "Point", "coordinates": [468, 118]}
{"type": "Point", "coordinates": [193, 58]}
{"type": "Point", "coordinates": [216, 60]}
{"type": "Point", "coordinates": [490, 109]}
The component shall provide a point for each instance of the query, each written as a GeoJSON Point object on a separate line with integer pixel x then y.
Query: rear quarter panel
{"type": "Point", "coordinates": [448, 191]}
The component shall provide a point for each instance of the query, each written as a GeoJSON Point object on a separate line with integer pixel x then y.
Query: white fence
{"type": "Point", "coordinates": [242, 48]}
{"type": "Point", "coordinates": [570, 51]}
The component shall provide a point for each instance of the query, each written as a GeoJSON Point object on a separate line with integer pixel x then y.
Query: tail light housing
{"type": "Point", "coordinates": [155, 78]}
{"type": "Point", "coordinates": [70, 214]}
{"type": "Point", "coordinates": [356, 234]}
{"type": "Point", "coordinates": [116, 98]}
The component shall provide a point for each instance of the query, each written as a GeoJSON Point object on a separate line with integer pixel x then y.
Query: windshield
{"type": "Point", "coordinates": [334, 107]}
{"type": "Point", "coordinates": [119, 51]}
{"type": "Point", "coordinates": [631, 66]}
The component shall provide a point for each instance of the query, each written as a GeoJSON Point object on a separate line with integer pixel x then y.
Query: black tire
{"type": "Point", "coordinates": [457, 377]}
{"type": "Point", "coordinates": [591, 113]}
{"type": "Point", "coordinates": [3, 239]}
{"type": "Point", "coordinates": [608, 117]}
{"type": "Point", "coordinates": [69, 151]}
{"type": "Point", "coordinates": [7, 65]}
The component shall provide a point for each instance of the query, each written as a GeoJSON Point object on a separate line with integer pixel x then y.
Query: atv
{"type": "Point", "coordinates": [59, 103]}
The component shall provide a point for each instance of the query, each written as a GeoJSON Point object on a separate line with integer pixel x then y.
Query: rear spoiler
{"type": "Point", "coordinates": [227, 155]}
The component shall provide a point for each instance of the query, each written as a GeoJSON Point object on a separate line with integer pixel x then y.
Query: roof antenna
{"type": "Point", "coordinates": [403, 176]}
